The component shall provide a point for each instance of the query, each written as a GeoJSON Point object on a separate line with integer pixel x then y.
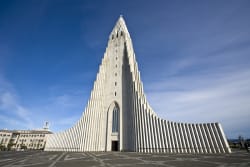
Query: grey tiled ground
{"type": "Point", "coordinates": [121, 159]}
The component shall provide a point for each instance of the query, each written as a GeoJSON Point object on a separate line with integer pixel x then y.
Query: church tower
{"type": "Point", "coordinates": [119, 118]}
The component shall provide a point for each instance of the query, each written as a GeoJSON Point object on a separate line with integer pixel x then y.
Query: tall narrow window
{"type": "Point", "coordinates": [115, 123]}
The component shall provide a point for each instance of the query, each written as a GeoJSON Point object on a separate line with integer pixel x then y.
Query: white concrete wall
{"type": "Point", "coordinates": [140, 129]}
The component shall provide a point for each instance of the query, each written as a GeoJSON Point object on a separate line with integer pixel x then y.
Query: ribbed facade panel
{"type": "Point", "coordinates": [118, 84]}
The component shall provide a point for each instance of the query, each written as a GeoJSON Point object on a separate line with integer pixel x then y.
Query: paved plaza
{"type": "Point", "coordinates": [120, 159]}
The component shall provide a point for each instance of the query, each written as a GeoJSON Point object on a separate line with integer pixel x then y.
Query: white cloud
{"type": "Point", "coordinates": [61, 110]}
{"type": "Point", "coordinates": [11, 107]}
{"type": "Point", "coordinates": [219, 96]}
{"type": "Point", "coordinates": [10, 121]}
{"type": "Point", "coordinates": [65, 123]}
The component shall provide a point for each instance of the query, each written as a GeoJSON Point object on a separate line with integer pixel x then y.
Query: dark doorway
{"type": "Point", "coordinates": [114, 145]}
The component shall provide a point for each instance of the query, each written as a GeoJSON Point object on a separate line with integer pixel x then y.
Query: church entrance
{"type": "Point", "coordinates": [115, 146]}
{"type": "Point", "coordinates": [113, 128]}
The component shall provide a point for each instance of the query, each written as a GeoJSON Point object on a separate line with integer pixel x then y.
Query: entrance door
{"type": "Point", "coordinates": [114, 145]}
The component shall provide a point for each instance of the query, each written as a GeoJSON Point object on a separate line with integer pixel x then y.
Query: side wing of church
{"type": "Point", "coordinates": [119, 118]}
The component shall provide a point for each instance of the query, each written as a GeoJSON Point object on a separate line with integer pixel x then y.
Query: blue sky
{"type": "Point", "coordinates": [194, 58]}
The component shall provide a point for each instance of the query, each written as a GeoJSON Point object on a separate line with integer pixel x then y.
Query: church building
{"type": "Point", "coordinates": [118, 116]}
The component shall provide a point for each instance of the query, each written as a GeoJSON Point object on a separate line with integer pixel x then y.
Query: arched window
{"type": "Point", "coordinates": [115, 122]}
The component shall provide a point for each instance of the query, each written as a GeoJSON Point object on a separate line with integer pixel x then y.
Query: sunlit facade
{"type": "Point", "coordinates": [119, 118]}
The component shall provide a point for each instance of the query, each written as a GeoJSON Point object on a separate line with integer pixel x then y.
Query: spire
{"type": "Point", "coordinates": [113, 103]}
{"type": "Point", "coordinates": [119, 27]}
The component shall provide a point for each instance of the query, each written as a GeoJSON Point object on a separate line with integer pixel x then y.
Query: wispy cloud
{"type": "Point", "coordinates": [204, 73]}
{"type": "Point", "coordinates": [65, 123]}
{"type": "Point", "coordinates": [196, 59]}
{"type": "Point", "coordinates": [60, 109]}
{"type": "Point", "coordinates": [11, 107]}
{"type": "Point", "coordinates": [217, 96]}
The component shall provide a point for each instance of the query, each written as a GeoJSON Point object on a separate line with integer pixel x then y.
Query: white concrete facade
{"type": "Point", "coordinates": [118, 116]}
{"type": "Point", "coordinates": [28, 139]}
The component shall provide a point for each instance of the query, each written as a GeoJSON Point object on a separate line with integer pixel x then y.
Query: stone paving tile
{"type": "Point", "coordinates": [121, 159]}
{"type": "Point", "coordinates": [155, 158]}
{"type": "Point", "coordinates": [189, 164]}
{"type": "Point", "coordinates": [76, 164]}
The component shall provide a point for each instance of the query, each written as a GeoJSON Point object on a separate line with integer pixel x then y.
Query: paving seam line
{"type": "Point", "coordinates": [51, 165]}
{"type": "Point", "coordinates": [96, 159]}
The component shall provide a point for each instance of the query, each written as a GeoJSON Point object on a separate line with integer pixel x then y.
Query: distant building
{"type": "Point", "coordinates": [23, 139]}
